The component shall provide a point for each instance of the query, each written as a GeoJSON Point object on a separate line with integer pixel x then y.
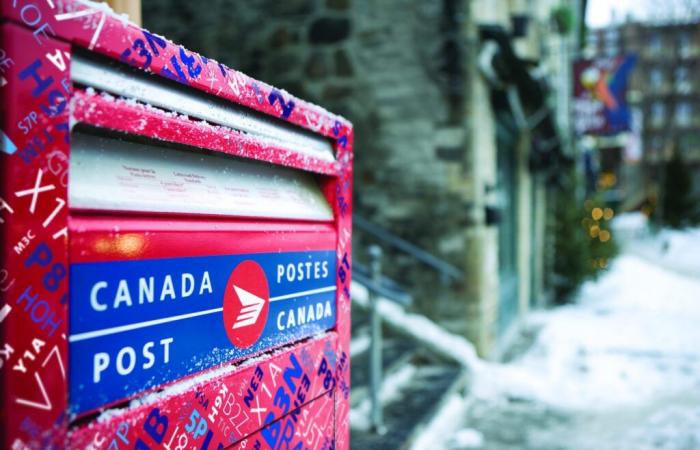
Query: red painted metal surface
{"type": "Point", "coordinates": [234, 404]}
{"type": "Point", "coordinates": [94, 239]}
{"type": "Point", "coordinates": [37, 231]}
{"type": "Point", "coordinates": [310, 426]}
{"type": "Point", "coordinates": [34, 238]}
{"type": "Point", "coordinates": [128, 117]}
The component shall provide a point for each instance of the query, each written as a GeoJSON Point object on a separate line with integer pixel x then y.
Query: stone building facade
{"type": "Point", "coordinates": [405, 73]}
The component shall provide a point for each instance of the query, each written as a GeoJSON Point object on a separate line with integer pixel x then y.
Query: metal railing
{"type": "Point", "coordinates": [375, 343]}
{"type": "Point", "coordinates": [445, 269]}
{"type": "Point", "coordinates": [385, 287]}
{"type": "Point", "coordinates": [379, 286]}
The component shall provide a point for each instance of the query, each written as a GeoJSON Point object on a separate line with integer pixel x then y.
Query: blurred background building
{"type": "Point", "coordinates": [664, 96]}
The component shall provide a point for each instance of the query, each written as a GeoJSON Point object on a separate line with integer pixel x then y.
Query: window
{"type": "Point", "coordinates": [656, 79]}
{"type": "Point", "coordinates": [683, 114]}
{"type": "Point", "coordinates": [658, 113]}
{"type": "Point", "coordinates": [684, 45]}
{"type": "Point", "coordinates": [611, 50]}
{"type": "Point", "coordinates": [682, 80]}
{"type": "Point", "coordinates": [592, 39]}
{"type": "Point", "coordinates": [611, 36]}
{"type": "Point", "coordinates": [654, 146]}
{"type": "Point", "coordinates": [655, 45]}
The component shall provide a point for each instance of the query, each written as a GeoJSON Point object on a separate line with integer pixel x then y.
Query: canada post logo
{"type": "Point", "coordinates": [246, 304]}
{"type": "Point", "coordinates": [137, 324]}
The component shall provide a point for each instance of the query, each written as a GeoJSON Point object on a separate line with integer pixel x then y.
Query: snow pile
{"type": "Point", "coordinates": [422, 329]}
{"type": "Point", "coordinates": [359, 344]}
{"type": "Point", "coordinates": [670, 428]}
{"type": "Point", "coordinates": [675, 249]}
{"type": "Point", "coordinates": [466, 438]}
{"type": "Point", "coordinates": [633, 337]}
{"type": "Point", "coordinates": [634, 222]}
{"type": "Point", "coordinates": [104, 8]}
{"type": "Point", "coordinates": [628, 227]}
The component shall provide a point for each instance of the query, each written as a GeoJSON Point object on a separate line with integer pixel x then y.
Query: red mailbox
{"type": "Point", "coordinates": [176, 245]}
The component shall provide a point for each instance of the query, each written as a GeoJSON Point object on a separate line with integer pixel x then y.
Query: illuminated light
{"type": "Point", "coordinates": [102, 245]}
{"type": "Point", "coordinates": [604, 236]}
{"type": "Point", "coordinates": [603, 263]}
{"type": "Point", "coordinates": [608, 213]}
{"type": "Point", "coordinates": [607, 179]}
{"type": "Point", "coordinates": [594, 231]}
{"type": "Point", "coordinates": [130, 244]}
{"type": "Point", "coordinates": [597, 213]}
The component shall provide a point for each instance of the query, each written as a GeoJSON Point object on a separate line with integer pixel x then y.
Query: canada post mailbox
{"type": "Point", "coordinates": [176, 245]}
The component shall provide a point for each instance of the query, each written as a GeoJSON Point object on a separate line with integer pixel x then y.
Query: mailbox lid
{"type": "Point", "coordinates": [113, 173]}
{"type": "Point", "coordinates": [121, 80]}
{"type": "Point", "coordinates": [154, 300]}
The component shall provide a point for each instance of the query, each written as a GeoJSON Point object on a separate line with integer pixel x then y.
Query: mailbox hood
{"type": "Point", "coordinates": [121, 80]}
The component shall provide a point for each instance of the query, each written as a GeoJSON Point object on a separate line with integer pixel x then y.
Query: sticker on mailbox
{"type": "Point", "coordinates": [246, 304]}
{"type": "Point", "coordinates": [135, 325]}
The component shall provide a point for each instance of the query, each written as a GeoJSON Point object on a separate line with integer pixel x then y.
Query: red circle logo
{"type": "Point", "coordinates": [246, 304]}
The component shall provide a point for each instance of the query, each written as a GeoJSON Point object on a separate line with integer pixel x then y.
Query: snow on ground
{"type": "Point", "coordinates": [619, 369]}
{"type": "Point", "coordinates": [673, 249]}
{"type": "Point", "coordinates": [634, 335]}
{"type": "Point", "coordinates": [466, 438]}
{"type": "Point", "coordinates": [676, 250]}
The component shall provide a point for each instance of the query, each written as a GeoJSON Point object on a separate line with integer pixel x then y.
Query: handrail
{"type": "Point", "coordinates": [375, 347]}
{"type": "Point", "coordinates": [444, 268]}
{"type": "Point", "coordinates": [386, 287]}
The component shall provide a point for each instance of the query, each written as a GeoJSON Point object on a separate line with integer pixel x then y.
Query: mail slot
{"type": "Point", "coordinates": [176, 245]}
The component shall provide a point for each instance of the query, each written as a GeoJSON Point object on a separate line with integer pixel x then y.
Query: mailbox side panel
{"type": "Point", "coordinates": [33, 198]}
{"type": "Point", "coordinates": [35, 89]}
{"type": "Point", "coordinates": [339, 193]}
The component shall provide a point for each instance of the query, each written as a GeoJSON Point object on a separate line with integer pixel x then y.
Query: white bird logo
{"type": "Point", "coordinates": [252, 307]}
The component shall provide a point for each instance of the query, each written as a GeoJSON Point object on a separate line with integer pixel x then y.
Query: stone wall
{"type": "Point", "coordinates": [395, 68]}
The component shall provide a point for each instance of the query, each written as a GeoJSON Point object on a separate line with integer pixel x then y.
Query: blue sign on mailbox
{"type": "Point", "coordinates": [135, 325]}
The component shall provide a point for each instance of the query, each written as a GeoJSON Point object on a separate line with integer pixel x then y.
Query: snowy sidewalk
{"type": "Point", "coordinates": [618, 370]}
{"type": "Point", "coordinates": [678, 251]}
